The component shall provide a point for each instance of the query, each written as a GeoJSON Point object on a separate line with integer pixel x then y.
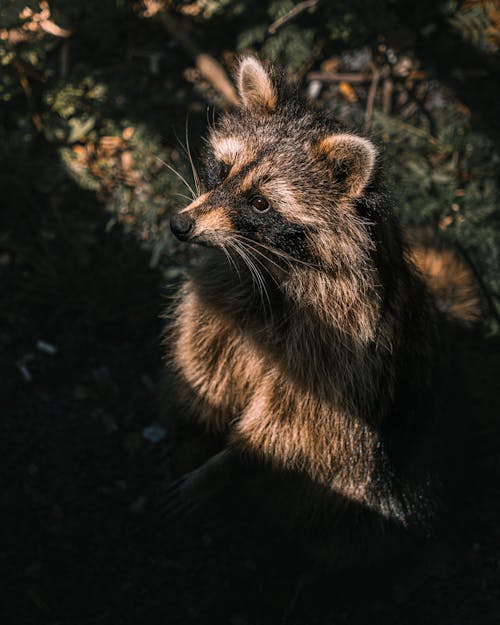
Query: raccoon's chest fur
{"type": "Point", "coordinates": [219, 367]}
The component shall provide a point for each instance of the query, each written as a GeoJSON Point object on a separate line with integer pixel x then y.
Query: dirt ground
{"type": "Point", "coordinates": [82, 541]}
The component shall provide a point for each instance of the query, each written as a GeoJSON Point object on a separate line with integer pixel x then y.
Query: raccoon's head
{"type": "Point", "coordinates": [281, 183]}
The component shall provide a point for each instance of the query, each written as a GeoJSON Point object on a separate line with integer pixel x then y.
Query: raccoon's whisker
{"type": "Point", "coordinates": [230, 260]}
{"type": "Point", "coordinates": [231, 245]}
{"type": "Point", "coordinates": [196, 177]}
{"type": "Point", "coordinates": [291, 259]}
{"type": "Point", "coordinates": [251, 265]}
{"type": "Point", "coordinates": [256, 251]}
{"type": "Point", "coordinates": [238, 250]}
{"type": "Point", "coordinates": [252, 251]}
{"type": "Point", "coordinates": [187, 151]}
{"type": "Point", "coordinates": [261, 279]}
{"type": "Point", "coordinates": [288, 257]}
{"type": "Point", "coordinates": [183, 195]}
{"type": "Point", "coordinates": [211, 122]}
{"type": "Point", "coordinates": [254, 244]}
{"type": "Point", "coordinates": [174, 171]}
{"type": "Point", "coordinates": [256, 274]}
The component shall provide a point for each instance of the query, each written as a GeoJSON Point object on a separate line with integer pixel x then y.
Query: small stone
{"type": "Point", "coordinates": [154, 433]}
{"type": "Point", "coordinates": [46, 348]}
{"type": "Point", "coordinates": [24, 371]}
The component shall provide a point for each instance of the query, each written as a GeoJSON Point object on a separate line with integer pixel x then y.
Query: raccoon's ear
{"type": "Point", "coordinates": [255, 86]}
{"type": "Point", "coordinates": [352, 159]}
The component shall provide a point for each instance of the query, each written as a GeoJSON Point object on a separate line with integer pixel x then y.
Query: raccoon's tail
{"type": "Point", "coordinates": [448, 277]}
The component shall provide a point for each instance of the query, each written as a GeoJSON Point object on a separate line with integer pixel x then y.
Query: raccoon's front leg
{"type": "Point", "coordinates": [191, 490]}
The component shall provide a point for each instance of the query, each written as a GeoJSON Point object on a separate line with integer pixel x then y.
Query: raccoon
{"type": "Point", "coordinates": [308, 339]}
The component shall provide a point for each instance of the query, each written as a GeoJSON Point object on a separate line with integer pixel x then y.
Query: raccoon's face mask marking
{"type": "Point", "coordinates": [243, 203]}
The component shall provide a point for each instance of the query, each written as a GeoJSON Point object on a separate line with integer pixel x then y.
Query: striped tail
{"type": "Point", "coordinates": [448, 278]}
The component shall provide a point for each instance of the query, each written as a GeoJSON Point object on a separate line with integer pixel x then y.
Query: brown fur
{"type": "Point", "coordinates": [322, 355]}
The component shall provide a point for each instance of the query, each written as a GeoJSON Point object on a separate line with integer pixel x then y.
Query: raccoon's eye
{"type": "Point", "coordinates": [260, 203]}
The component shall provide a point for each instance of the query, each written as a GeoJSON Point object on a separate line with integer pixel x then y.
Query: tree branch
{"type": "Point", "coordinates": [297, 10]}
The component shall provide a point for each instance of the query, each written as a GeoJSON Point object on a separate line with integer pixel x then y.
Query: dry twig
{"type": "Point", "coordinates": [387, 91]}
{"type": "Point", "coordinates": [372, 92]}
{"type": "Point", "coordinates": [358, 77]}
{"type": "Point", "coordinates": [297, 10]}
{"type": "Point", "coordinates": [353, 77]}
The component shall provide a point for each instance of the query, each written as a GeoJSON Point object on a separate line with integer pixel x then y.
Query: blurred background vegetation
{"type": "Point", "coordinates": [98, 99]}
{"type": "Point", "coordinates": [95, 96]}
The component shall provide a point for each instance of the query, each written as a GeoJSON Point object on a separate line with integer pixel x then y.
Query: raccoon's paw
{"type": "Point", "coordinates": [193, 489]}
{"type": "Point", "coordinates": [181, 498]}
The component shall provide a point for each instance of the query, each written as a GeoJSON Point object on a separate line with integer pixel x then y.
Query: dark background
{"type": "Point", "coordinates": [95, 97]}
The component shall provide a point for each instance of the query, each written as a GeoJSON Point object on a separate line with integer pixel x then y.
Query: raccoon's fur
{"type": "Point", "coordinates": [308, 338]}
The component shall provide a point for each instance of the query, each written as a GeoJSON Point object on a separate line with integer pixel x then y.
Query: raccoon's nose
{"type": "Point", "coordinates": [181, 225]}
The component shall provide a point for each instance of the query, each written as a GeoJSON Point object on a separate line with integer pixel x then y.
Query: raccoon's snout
{"type": "Point", "coordinates": [182, 226]}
